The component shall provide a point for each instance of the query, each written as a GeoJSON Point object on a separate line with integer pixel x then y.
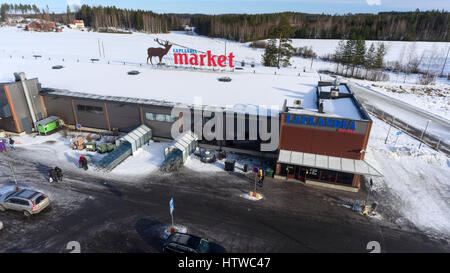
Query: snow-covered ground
{"type": "Point", "coordinates": [144, 161]}
{"type": "Point", "coordinates": [434, 99]}
{"type": "Point", "coordinates": [417, 181]}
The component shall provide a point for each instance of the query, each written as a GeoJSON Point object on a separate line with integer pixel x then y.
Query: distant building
{"type": "Point", "coordinates": [77, 24]}
{"type": "Point", "coordinates": [34, 26]}
{"type": "Point", "coordinates": [37, 26]}
{"type": "Point", "coordinates": [189, 30]}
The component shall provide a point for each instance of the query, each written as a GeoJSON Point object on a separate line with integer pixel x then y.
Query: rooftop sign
{"type": "Point", "coordinates": [340, 125]}
{"type": "Point", "coordinates": [181, 57]}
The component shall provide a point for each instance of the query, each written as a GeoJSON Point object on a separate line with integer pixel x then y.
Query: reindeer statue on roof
{"type": "Point", "coordinates": [158, 51]}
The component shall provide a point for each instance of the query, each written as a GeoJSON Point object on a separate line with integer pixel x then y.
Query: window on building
{"type": "Point", "coordinates": [149, 116]}
{"type": "Point", "coordinates": [160, 117]}
{"type": "Point", "coordinates": [312, 173]}
{"type": "Point", "coordinates": [170, 118]}
{"type": "Point", "coordinates": [345, 178]}
{"type": "Point", "coordinates": [328, 176]}
{"type": "Point", "coordinates": [90, 109]}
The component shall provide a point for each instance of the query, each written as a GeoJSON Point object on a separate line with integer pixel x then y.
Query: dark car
{"type": "Point", "coordinates": [185, 243]}
{"type": "Point", "coordinates": [207, 156]}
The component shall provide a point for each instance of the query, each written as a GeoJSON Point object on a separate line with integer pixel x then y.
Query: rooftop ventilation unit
{"type": "Point", "coordinates": [321, 107]}
{"type": "Point", "coordinates": [334, 93]}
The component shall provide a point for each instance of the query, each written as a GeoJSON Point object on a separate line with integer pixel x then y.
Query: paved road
{"type": "Point", "coordinates": [413, 116]}
{"type": "Point", "coordinates": [130, 215]}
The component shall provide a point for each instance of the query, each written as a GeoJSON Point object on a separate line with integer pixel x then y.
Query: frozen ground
{"type": "Point", "coordinates": [415, 183]}
{"type": "Point", "coordinates": [434, 99]}
{"type": "Point", "coordinates": [143, 162]}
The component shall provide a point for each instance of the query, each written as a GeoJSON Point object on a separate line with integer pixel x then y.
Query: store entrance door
{"type": "Point", "coordinates": [300, 173]}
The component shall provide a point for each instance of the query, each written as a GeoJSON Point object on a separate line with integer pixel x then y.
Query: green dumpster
{"type": "Point", "coordinates": [269, 172]}
{"type": "Point", "coordinates": [91, 146]}
{"type": "Point", "coordinates": [110, 147]}
{"type": "Point", "coordinates": [102, 148]}
{"type": "Point", "coordinates": [48, 125]}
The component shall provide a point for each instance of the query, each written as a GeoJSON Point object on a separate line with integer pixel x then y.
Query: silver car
{"type": "Point", "coordinates": [25, 200]}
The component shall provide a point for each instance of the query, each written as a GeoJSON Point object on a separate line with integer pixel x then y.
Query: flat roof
{"type": "Point", "coordinates": [342, 107]}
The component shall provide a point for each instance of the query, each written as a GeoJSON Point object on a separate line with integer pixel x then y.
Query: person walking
{"type": "Point", "coordinates": [83, 162]}
{"type": "Point", "coordinates": [80, 161]}
{"type": "Point", "coordinates": [261, 178]}
{"type": "Point", "coordinates": [59, 174]}
{"type": "Point", "coordinates": [12, 143]}
{"type": "Point", "coordinates": [3, 146]}
{"type": "Point", "coordinates": [52, 174]}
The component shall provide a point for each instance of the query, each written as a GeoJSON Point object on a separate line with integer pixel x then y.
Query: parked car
{"type": "Point", "coordinates": [1, 225]}
{"type": "Point", "coordinates": [26, 200]}
{"type": "Point", "coordinates": [207, 156]}
{"type": "Point", "coordinates": [185, 243]}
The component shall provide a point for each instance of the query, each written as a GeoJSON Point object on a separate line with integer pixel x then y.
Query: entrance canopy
{"type": "Point", "coordinates": [339, 164]}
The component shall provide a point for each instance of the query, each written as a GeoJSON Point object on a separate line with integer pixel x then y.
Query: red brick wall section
{"type": "Point", "coordinates": [322, 142]}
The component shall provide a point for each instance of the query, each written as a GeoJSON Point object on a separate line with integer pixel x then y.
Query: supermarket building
{"type": "Point", "coordinates": [322, 138]}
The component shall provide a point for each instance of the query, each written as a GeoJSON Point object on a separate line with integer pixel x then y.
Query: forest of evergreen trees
{"type": "Point", "coordinates": [407, 26]}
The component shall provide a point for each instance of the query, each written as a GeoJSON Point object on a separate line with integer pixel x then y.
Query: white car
{"type": "Point", "coordinates": [1, 225]}
{"type": "Point", "coordinates": [27, 201]}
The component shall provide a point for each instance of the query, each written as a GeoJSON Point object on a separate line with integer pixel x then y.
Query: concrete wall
{"type": "Point", "coordinates": [61, 107]}
{"type": "Point", "coordinates": [21, 119]}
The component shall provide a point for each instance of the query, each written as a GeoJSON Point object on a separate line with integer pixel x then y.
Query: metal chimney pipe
{"type": "Point", "coordinates": [20, 76]}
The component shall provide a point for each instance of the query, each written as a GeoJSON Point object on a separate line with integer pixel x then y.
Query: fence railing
{"type": "Point", "coordinates": [420, 133]}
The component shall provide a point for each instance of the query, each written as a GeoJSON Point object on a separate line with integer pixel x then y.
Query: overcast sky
{"type": "Point", "coordinates": [251, 6]}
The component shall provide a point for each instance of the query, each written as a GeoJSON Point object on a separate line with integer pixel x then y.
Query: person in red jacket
{"type": "Point", "coordinates": [83, 162]}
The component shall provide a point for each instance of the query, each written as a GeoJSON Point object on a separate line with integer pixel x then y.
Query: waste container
{"type": "Point", "coordinates": [269, 172]}
{"type": "Point", "coordinates": [102, 148]}
{"type": "Point", "coordinates": [229, 165]}
{"type": "Point", "coordinates": [245, 168]}
{"type": "Point", "coordinates": [110, 147]}
{"type": "Point", "coordinates": [91, 146]}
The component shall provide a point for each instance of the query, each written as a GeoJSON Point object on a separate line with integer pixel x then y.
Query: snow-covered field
{"type": "Point", "coordinates": [74, 49]}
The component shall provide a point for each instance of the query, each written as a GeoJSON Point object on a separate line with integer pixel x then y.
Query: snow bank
{"type": "Point", "coordinates": [417, 179]}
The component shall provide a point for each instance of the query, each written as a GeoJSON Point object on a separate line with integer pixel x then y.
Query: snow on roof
{"type": "Point", "coordinates": [174, 85]}
{"type": "Point", "coordinates": [342, 107]}
{"type": "Point", "coordinates": [251, 90]}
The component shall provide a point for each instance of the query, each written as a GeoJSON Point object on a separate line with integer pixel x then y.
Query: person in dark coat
{"type": "Point", "coordinates": [261, 178]}
{"type": "Point", "coordinates": [59, 174]}
{"type": "Point", "coordinates": [53, 175]}
{"type": "Point", "coordinates": [85, 164]}
{"type": "Point", "coordinates": [11, 143]}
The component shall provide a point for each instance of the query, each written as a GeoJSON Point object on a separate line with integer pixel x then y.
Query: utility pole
{"type": "Point", "coordinates": [103, 47]}
{"type": "Point", "coordinates": [390, 126]}
{"type": "Point", "coordinates": [445, 62]}
{"type": "Point", "coordinates": [99, 49]}
{"type": "Point", "coordinates": [423, 132]}
{"type": "Point", "coordinates": [279, 52]}
{"type": "Point", "coordinates": [12, 171]}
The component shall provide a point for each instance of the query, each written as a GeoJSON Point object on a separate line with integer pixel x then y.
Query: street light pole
{"type": "Point", "coordinates": [12, 170]}
{"type": "Point", "coordinates": [390, 126]}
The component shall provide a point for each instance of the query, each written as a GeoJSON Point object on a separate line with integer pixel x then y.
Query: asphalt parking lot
{"type": "Point", "coordinates": [131, 215]}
